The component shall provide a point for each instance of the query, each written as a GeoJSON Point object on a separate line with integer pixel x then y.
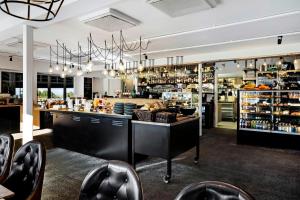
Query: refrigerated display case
{"type": "Point", "coordinates": [269, 117]}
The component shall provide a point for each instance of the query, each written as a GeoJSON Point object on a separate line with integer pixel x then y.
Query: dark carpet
{"type": "Point", "coordinates": [268, 174]}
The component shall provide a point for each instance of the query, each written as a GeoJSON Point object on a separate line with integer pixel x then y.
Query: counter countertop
{"type": "Point", "coordinates": [188, 119]}
{"type": "Point", "coordinates": [138, 101]}
{"type": "Point", "coordinates": [9, 105]}
{"type": "Point", "coordinates": [90, 113]}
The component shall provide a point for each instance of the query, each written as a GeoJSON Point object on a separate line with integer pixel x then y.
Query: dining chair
{"type": "Point", "coordinates": [6, 151]}
{"type": "Point", "coordinates": [26, 176]}
{"type": "Point", "coordinates": [213, 190]}
{"type": "Point", "coordinates": [112, 180]}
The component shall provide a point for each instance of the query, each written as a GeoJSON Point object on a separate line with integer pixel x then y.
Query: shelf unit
{"type": "Point", "coordinates": [266, 116]}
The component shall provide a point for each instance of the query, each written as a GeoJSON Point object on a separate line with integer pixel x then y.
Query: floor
{"type": "Point", "coordinates": [227, 125]}
{"type": "Point", "coordinates": [268, 174]}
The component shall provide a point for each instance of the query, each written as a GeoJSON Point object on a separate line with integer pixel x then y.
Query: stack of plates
{"type": "Point", "coordinates": [119, 108]}
{"type": "Point", "coordinates": [129, 107]}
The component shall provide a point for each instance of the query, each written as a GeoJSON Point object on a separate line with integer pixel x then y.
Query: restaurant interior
{"type": "Point", "coordinates": [150, 99]}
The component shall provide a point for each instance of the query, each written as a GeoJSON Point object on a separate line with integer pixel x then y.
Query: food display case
{"type": "Point", "coordinates": [180, 98]}
{"type": "Point", "coordinates": [269, 117]}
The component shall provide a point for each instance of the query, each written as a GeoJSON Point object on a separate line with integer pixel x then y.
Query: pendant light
{"type": "Point", "coordinates": [280, 61]}
{"type": "Point", "coordinates": [57, 64]}
{"type": "Point", "coordinates": [90, 65]}
{"type": "Point", "coordinates": [105, 72]}
{"type": "Point", "coordinates": [112, 72]}
{"type": "Point", "coordinates": [121, 63]}
{"type": "Point", "coordinates": [48, 9]}
{"type": "Point", "coordinates": [251, 64]}
{"type": "Point", "coordinates": [65, 68]}
{"type": "Point", "coordinates": [265, 62]}
{"type": "Point", "coordinates": [50, 67]}
{"type": "Point", "coordinates": [79, 70]}
{"type": "Point", "coordinates": [140, 67]}
{"type": "Point", "coordinates": [70, 71]}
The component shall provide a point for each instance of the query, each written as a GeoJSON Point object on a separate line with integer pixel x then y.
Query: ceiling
{"type": "Point", "coordinates": [231, 25]}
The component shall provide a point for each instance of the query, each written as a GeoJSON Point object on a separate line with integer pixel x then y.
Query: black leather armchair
{"type": "Point", "coordinates": [27, 172]}
{"type": "Point", "coordinates": [6, 151]}
{"type": "Point", "coordinates": [213, 190]}
{"type": "Point", "coordinates": [112, 180]}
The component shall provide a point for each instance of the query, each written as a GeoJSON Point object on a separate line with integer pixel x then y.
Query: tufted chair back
{"type": "Point", "coordinates": [6, 151]}
{"type": "Point", "coordinates": [27, 172]}
{"type": "Point", "coordinates": [112, 180]}
{"type": "Point", "coordinates": [213, 190]}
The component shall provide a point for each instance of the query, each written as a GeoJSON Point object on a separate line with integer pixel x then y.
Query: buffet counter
{"type": "Point", "coordinates": [106, 136]}
{"type": "Point", "coordinates": [165, 140]}
{"type": "Point", "coordinates": [110, 136]}
{"type": "Point", "coordinates": [138, 101]}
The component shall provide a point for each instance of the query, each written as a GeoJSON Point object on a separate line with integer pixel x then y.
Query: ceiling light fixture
{"type": "Point", "coordinates": [103, 54]}
{"type": "Point", "coordinates": [47, 9]}
{"type": "Point", "coordinates": [251, 64]}
{"type": "Point", "coordinates": [280, 61]}
{"type": "Point", "coordinates": [265, 62]}
{"type": "Point", "coordinates": [50, 66]}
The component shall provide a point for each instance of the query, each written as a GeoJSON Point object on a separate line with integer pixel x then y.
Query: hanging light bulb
{"type": "Point", "coordinates": [65, 68]}
{"type": "Point", "coordinates": [141, 67]}
{"type": "Point", "coordinates": [251, 64]}
{"type": "Point", "coordinates": [238, 65]}
{"type": "Point", "coordinates": [79, 72]}
{"type": "Point", "coordinates": [50, 69]}
{"type": "Point", "coordinates": [89, 66]}
{"type": "Point", "coordinates": [112, 73]}
{"type": "Point", "coordinates": [57, 67]}
{"type": "Point", "coordinates": [105, 72]}
{"type": "Point", "coordinates": [63, 75]}
{"type": "Point", "coordinates": [121, 66]}
{"type": "Point", "coordinates": [70, 69]}
{"type": "Point", "coordinates": [280, 61]}
{"type": "Point", "coordinates": [265, 63]}
{"type": "Point", "coordinates": [296, 61]}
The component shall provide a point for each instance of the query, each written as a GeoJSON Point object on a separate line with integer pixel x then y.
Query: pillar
{"type": "Point", "coordinates": [200, 97]}
{"type": "Point", "coordinates": [28, 73]}
{"type": "Point", "coordinates": [79, 86]}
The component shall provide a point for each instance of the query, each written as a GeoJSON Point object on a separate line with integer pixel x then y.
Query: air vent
{"type": "Point", "coordinates": [16, 42]}
{"type": "Point", "coordinates": [110, 20]}
{"type": "Point", "coordinates": [177, 8]}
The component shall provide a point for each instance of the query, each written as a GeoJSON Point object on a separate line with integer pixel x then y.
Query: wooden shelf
{"type": "Point", "coordinates": [249, 69]}
{"type": "Point", "coordinates": [268, 72]}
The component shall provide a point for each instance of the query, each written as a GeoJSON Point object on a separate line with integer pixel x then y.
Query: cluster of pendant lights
{"type": "Point", "coordinates": [112, 57]}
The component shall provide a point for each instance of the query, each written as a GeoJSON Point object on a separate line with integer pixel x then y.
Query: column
{"type": "Point", "coordinates": [27, 83]}
{"type": "Point", "coordinates": [0, 81]}
{"type": "Point", "coordinates": [216, 103]}
{"type": "Point", "coordinates": [34, 86]}
{"type": "Point", "coordinates": [79, 86]}
{"type": "Point", "coordinates": [200, 97]}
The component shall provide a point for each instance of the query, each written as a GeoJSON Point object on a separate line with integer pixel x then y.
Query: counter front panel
{"type": "Point", "coordinates": [103, 136]}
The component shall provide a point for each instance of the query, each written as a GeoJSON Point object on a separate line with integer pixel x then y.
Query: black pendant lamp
{"type": "Point", "coordinates": [32, 10]}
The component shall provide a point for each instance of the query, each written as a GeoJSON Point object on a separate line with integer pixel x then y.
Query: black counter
{"type": "Point", "coordinates": [106, 136]}
{"type": "Point", "coordinates": [9, 119]}
{"type": "Point", "coordinates": [165, 140]}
